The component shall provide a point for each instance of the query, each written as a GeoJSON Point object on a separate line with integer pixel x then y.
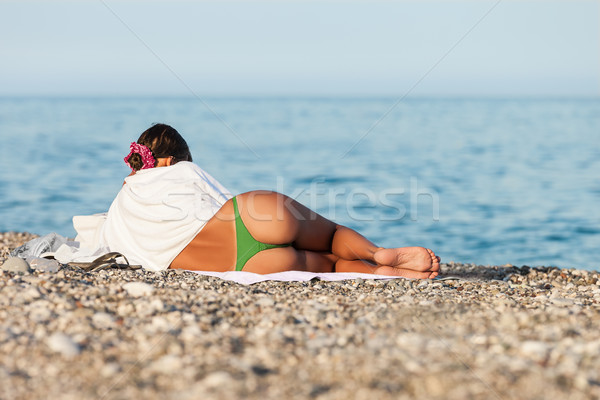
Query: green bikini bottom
{"type": "Point", "coordinates": [247, 246]}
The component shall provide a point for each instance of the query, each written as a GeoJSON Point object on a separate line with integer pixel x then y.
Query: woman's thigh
{"type": "Point", "coordinates": [287, 258]}
{"type": "Point", "coordinates": [275, 218]}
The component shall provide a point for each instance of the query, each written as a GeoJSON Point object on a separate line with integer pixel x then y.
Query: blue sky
{"type": "Point", "coordinates": [420, 48]}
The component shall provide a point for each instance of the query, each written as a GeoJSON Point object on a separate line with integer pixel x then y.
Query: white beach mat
{"type": "Point", "coordinates": [248, 278]}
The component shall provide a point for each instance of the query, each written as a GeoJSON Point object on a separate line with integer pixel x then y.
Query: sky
{"type": "Point", "coordinates": [205, 48]}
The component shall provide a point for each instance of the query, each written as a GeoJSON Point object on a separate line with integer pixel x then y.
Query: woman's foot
{"type": "Point", "coordinates": [415, 259]}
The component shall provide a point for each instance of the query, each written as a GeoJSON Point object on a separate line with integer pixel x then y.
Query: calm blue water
{"type": "Point", "coordinates": [482, 181]}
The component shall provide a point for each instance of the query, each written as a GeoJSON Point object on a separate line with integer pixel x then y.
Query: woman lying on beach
{"type": "Point", "coordinates": [172, 214]}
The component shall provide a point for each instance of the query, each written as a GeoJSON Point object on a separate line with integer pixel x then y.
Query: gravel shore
{"type": "Point", "coordinates": [483, 332]}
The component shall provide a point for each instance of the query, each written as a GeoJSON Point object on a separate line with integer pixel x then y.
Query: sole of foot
{"type": "Point", "coordinates": [417, 259]}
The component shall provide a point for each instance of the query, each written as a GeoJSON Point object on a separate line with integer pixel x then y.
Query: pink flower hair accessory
{"type": "Point", "coordinates": [146, 154]}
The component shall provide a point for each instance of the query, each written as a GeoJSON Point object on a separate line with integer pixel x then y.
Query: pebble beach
{"type": "Point", "coordinates": [480, 332]}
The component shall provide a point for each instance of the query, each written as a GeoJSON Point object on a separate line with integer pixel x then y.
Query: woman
{"type": "Point", "coordinates": [172, 214]}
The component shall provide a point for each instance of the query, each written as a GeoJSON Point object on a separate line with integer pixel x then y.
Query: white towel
{"type": "Point", "coordinates": [248, 278]}
{"type": "Point", "coordinates": [155, 215]}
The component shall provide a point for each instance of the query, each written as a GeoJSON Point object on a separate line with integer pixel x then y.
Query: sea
{"type": "Point", "coordinates": [484, 181]}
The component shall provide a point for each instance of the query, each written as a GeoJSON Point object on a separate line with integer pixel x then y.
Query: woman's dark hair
{"type": "Point", "coordinates": [164, 141]}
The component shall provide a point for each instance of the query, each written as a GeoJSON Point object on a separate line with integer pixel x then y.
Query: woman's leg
{"type": "Point", "coordinates": [277, 219]}
{"type": "Point", "coordinates": [274, 218]}
{"type": "Point", "coordinates": [368, 268]}
{"type": "Point", "coordinates": [288, 258]}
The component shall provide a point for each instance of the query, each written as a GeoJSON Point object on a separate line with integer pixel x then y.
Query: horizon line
{"type": "Point", "coordinates": [324, 96]}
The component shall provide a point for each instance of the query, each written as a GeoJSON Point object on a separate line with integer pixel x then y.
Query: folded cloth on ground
{"type": "Point", "coordinates": [58, 247]}
{"type": "Point", "coordinates": [41, 246]}
{"type": "Point", "coordinates": [73, 252]}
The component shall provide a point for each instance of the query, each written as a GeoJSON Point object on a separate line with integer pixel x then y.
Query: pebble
{"type": "Point", "coordinates": [30, 293]}
{"type": "Point", "coordinates": [40, 312]}
{"type": "Point", "coordinates": [537, 350]}
{"type": "Point", "coordinates": [102, 320]}
{"type": "Point", "coordinates": [16, 264]}
{"type": "Point", "coordinates": [217, 379]}
{"type": "Point", "coordinates": [44, 264]}
{"type": "Point", "coordinates": [138, 289]}
{"type": "Point", "coordinates": [63, 344]}
{"type": "Point", "coordinates": [265, 302]}
{"type": "Point", "coordinates": [110, 369]}
{"type": "Point", "coordinates": [169, 364]}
